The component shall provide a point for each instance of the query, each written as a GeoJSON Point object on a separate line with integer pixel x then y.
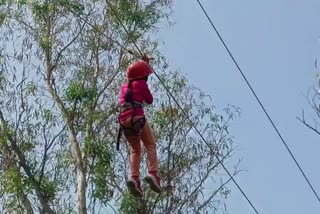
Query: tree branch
{"type": "Point", "coordinates": [308, 125]}
{"type": "Point", "coordinates": [23, 163]}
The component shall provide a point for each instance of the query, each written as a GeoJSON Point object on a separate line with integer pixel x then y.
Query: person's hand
{"type": "Point", "coordinates": [146, 58]}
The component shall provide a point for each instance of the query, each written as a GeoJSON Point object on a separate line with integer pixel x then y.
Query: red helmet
{"type": "Point", "coordinates": [138, 69]}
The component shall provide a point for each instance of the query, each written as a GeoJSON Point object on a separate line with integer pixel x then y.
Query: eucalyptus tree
{"type": "Point", "coordinates": [62, 63]}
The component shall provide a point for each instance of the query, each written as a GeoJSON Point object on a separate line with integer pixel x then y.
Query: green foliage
{"type": "Point", "coordinates": [45, 42]}
{"type": "Point", "coordinates": [129, 204]}
{"type": "Point", "coordinates": [48, 189]}
{"type": "Point", "coordinates": [12, 184]}
{"type": "Point", "coordinates": [43, 11]}
{"type": "Point", "coordinates": [27, 146]}
{"type": "Point", "coordinates": [48, 115]}
{"type": "Point", "coordinates": [22, 2]}
{"type": "Point", "coordinates": [89, 148]}
{"type": "Point", "coordinates": [10, 180]}
{"type": "Point", "coordinates": [5, 134]}
{"type": "Point", "coordinates": [82, 71]}
{"type": "Point", "coordinates": [65, 160]}
{"type": "Point", "coordinates": [160, 118]}
{"type": "Point", "coordinates": [142, 17]}
{"type": "Point", "coordinates": [102, 170]}
{"type": "Point", "coordinates": [3, 141]}
{"type": "Point", "coordinates": [74, 6]}
{"type": "Point", "coordinates": [2, 18]}
{"type": "Point", "coordinates": [77, 93]}
{"type": "Point", "coordinates": [31, 88]}
{"type": "Point", "coordinates": [3, 2]}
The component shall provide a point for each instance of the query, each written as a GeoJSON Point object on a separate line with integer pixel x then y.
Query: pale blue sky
{"type": "Point", "coordinates": [275, 43]}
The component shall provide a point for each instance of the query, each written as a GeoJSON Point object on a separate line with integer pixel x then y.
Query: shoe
{"type": "Point", "coordinates": [153, 179]}
{"type": "Point", "coordinates": [134, 185]}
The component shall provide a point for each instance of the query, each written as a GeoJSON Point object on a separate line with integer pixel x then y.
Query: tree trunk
{"type": "Point", "coordinates": [81, 168]}
{"type": "Point", "coordinates": [82, 192]}
{"type": "Point", "coordinates": [81, 172]}
{"type": "Point", "coordinates": [23, 197]}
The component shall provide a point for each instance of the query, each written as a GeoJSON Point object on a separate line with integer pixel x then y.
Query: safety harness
{"type": "Point", "coordinates": [136, 126]}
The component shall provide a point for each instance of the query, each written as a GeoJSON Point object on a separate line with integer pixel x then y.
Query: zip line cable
{"type": "Point", "coordinates": [257, 98]}
{"type": "Point", "coordinates": [183, 111]}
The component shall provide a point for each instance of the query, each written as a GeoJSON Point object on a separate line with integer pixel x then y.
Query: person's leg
{"type": "Point", "coordinates": [135, 155]}
{"type": "Point", "coordinates": [148, 139]}
{"type": "Point", "coordinates": [134, 183]}
{"type": "Point", "coordinates": [135, 150]}
{"type": "Point", "coordinates": [149, 143]}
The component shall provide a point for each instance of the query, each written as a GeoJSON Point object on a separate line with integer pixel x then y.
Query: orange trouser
{"type": "Point", "coordinates": [148, 139]}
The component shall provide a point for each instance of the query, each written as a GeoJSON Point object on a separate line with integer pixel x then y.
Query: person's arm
{"type": "Point", "coordinates": [148, 98]}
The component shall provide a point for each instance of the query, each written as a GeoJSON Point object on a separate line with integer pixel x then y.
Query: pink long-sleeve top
{"type": "Point", "coordinates": [140, 93]}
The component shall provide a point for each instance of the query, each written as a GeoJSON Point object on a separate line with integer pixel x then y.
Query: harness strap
{"type": "Point", "coordinates": [135, 128]}
{"type": "Point", "coordinates": [125, 107]}
{"type": "Point", "coordinates": [130, 105]}
{"type": "Point", "coordinates": [119, 138]}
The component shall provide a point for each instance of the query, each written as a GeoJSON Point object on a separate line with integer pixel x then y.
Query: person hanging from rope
{"type": "Point", "coordinates": [134, 93]}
